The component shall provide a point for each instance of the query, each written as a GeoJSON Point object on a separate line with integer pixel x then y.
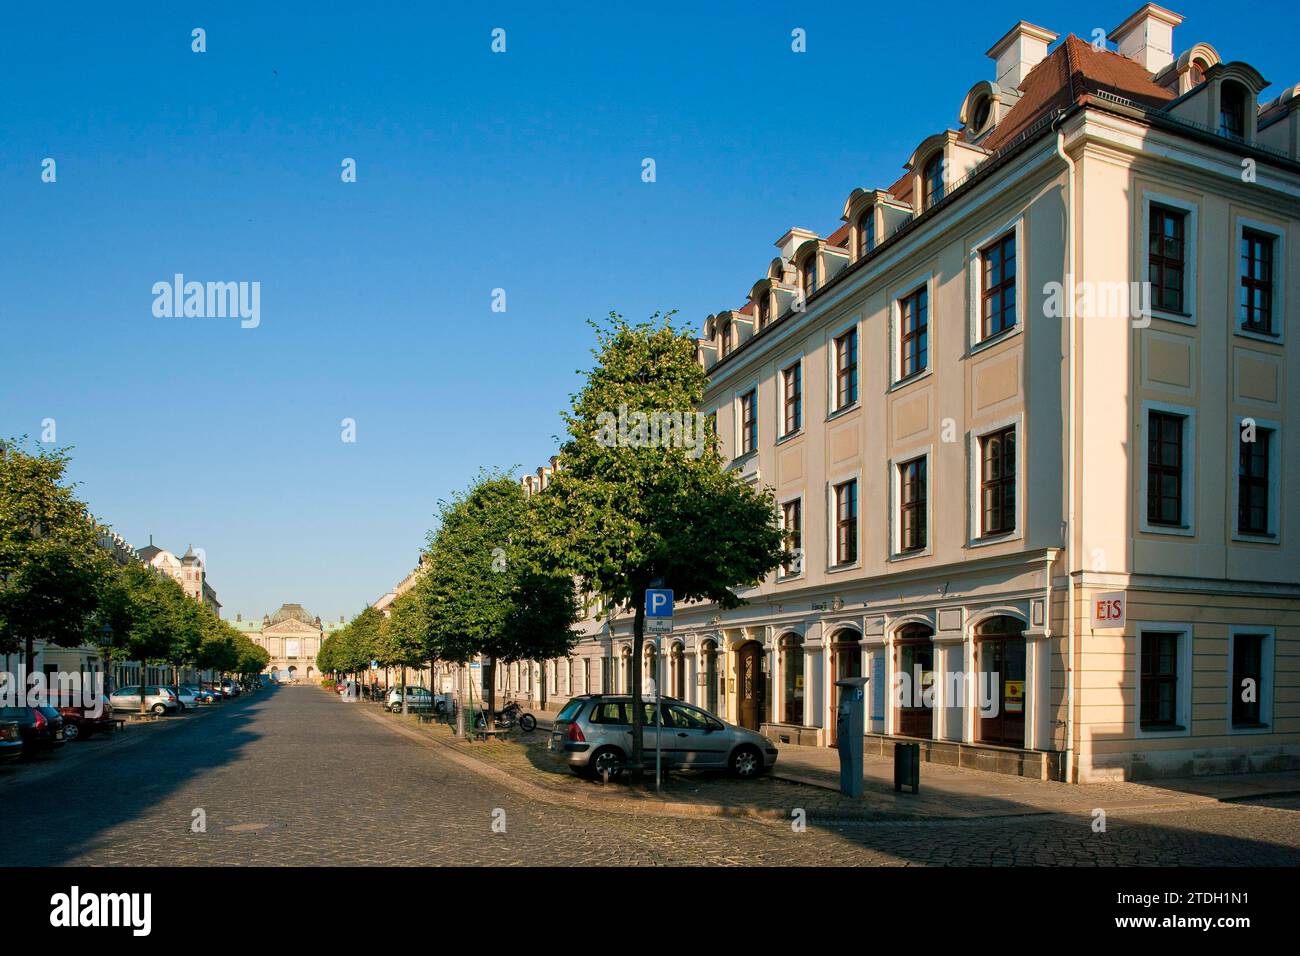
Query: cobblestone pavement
{"type": "Point", "coordinates": [297, 777]}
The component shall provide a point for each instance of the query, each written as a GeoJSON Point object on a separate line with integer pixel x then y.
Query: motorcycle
{"type": "Point", "coordinates": [507, 717]}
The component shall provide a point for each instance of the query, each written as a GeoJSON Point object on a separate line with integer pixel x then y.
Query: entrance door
{"type": "Point", "coordinates": [1000, 661]}
{"type": "Point", "coordinates": [751, 685]}
{"type": "Point", "coordinates": [848, 663]}
{"type": "Point", "coordinates": [914, 658]}
{"type": "Point", "coordinates": [711, 677]}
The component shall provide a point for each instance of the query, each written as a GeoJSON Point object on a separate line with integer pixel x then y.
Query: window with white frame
{"type": "Point", "coordinates": [1164, 678]}
{"type": "Point", "coordinates": [1260, 280]}
{"type": "Point", "coordinates": [1257, 478]}
{"type": "Point", "coordinates": [995, 271]}
{"type": "Point", "coordinates": [845, 352]}
{"type": "Point", "coordinates": [844, 516]}
{"type": "Point", "coordinates": [792, 528]}
{"type": "Point", "coordinates": [1250, 679]}
{"type": "Point", "coordinates": [995, 498]}
{"type": "Point", "coordinates": [1169, 226]}
{"type": "Point", "coordinates": [747, 421]}
{"type": "Point", "coordinates": [791, 399]}
{"type": "Point", "coordinates": [912, 505]}
{"type": "Point", "coordinates": [1168, 468]}
{"type": "Point", "coordinates": [914, 332]}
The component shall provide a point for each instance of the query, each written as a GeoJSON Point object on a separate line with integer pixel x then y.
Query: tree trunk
{"type": "Point", "coordinates": [491, 692]}
{"type": "Point", "coordinates": [638, 717]}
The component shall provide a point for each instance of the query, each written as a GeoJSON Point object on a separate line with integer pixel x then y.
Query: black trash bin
{"type": "Point", "coordinates": [907, 766]}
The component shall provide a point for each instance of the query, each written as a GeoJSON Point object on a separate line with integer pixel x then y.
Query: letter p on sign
{"type": "Point", "coordinates": [658, 602]}
{"type": "Point", "coordinates": [1109, 610]}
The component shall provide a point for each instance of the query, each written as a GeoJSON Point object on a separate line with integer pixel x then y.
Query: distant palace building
{"type": "Point", "coordinates": [292, 636]}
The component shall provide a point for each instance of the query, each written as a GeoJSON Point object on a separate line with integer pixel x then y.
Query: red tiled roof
{"type": "Point", "coordinates": [1071, 70]}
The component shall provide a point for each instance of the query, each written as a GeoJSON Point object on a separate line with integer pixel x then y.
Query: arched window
{"type": "Point", "coordinates": [1232, 110]}
{"type": "Point", "coordinates": [764, 310]}
{"type": "Point", "coordinates": [866, 231]}
{"type": "Point", "coordinates": [980, 118]}
{"type": "Point", "coordinates": [651, 672]}
{"type": "Point", "coordinates": [1197, 72]}
{"type": "Point", "coordinates": [726, 338]}
{"type": "Point", "coordinates": [808, 276]}
{"type": "Point", "coordinates": [792, 683]}
{"type": "Point", "coordinates": [932, 181]}
{"type": "Point", "coordinates": [626, 658]}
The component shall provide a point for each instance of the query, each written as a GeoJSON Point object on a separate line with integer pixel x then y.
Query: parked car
{"type": "Point", "coordinates": [41, 728]}
{"type": "Point", "coordinates": [82, 722]}
{"type": "Point", "coordinates": [11, 741]}
{"type": "Point", "coordinates": [593, 736]}
{"type": "Point", "coordinates": [184, 697]}
{"type": "Point", "coordinates": [159, 700]}
{"type": "Point", "coordinates": [204, 695]}
{"type": "Point", "coordinates": [417, 698]}
{"type": "Point", "coordinates": [230, 687]}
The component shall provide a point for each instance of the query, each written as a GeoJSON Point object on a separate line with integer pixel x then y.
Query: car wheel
{"type": "Point", "coordinates": [607, 761]}
{"type": "Point", "coordinates": [71, 731]}
{"type": "Point", "coordinates": [160, 709]}
{"type": "Point", "coordinates": [746, 763]}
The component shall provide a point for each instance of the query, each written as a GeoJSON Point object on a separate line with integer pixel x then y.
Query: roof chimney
{"type": "Point", "coordinates": [1147, 36]}
{"type": "Point", "coordinates": [1022, 49]}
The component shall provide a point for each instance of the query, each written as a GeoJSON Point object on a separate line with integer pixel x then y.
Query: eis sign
{"type": "Point", "coordinates": [1109, 610]}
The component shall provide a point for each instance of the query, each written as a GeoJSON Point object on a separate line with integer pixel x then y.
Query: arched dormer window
{"type": "Point", "coordinates": [725, 347]}
{"type": "Point", "coordinates": [983, 110]}
{"type": "Point", "coordinates": [932, 181]}
{"type": "Point", "coordinates": [1197, 72]}
{"type": "Point", "coordinates": [866, 230]}
{"type": "Point", "coordinates": [764, 310]}
{"type": "Point", "coordinates": [808, 276]}
{"type": "Point", "coordinates": [1232, 110]}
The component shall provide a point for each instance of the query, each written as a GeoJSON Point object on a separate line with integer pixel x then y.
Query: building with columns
{"type": "Point", "coordinates": [292, 636]}
{"type": "Point", "coordinates": [1026, 413]}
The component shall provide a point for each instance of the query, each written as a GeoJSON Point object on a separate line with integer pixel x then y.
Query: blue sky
{"type": "Point", "coordinates": [475, 171]}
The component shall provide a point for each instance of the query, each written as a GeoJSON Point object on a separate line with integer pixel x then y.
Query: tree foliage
{"type": "Point", "coordinates": [620, 515]}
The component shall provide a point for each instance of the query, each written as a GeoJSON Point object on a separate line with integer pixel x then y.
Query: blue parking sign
{"type": "Point", "coordinates": [658, 602]}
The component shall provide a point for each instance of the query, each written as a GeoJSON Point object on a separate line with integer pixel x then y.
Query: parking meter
{"type": "Point", "coordinates": [848, 733]}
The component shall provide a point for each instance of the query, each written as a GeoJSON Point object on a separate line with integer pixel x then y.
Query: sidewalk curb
{"type": "Point", "coordinates": [648, 805]}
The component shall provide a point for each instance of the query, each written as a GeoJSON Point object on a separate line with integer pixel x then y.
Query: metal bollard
{"type": "Point", "coordinates": [907, 767]}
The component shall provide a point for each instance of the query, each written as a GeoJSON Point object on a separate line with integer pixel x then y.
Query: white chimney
{"type": "Point", "coordinates": [1022, 49]}
{"type": "Point", "coordinates": [1147, 36]}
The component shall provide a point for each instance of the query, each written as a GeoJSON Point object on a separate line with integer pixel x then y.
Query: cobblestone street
{"type": "Point", "coordinates": [294, 776]}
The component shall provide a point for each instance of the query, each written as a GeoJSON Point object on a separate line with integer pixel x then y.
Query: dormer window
{"type": "Point", "coordinates": [726, 338]}
{"type": "Point", "coordinates": [983, 109]}
{"type": "Point", "coordinates": [932, 181]}
{"type": "Point", "coordinates": [764, 311]}
{"type": "Point", "coordinates": [866, 231]}
{"type": "Point", "coordinates": [808, 276]}
{"type": "Point", "coordinates": [1232, 110]}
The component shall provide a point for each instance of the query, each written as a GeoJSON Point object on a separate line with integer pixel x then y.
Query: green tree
{"type": "Point", "coordinates": [404, 638]}
{"type": "Point", "coordinates": [51, 566]}
{"type": "Point", "coordinates": [145, 619]}
{"type": "Point", "coordinates": [624, 511]}
{"type": "Point", "coordinates": [487, 590]}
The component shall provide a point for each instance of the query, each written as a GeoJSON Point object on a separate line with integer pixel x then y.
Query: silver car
{"type": "Point", "coordinates": [417, 698]}
{"type": "Point", "coordinates": [593, 737]}
{"type": "Point", "coordinates": [157, 699]}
